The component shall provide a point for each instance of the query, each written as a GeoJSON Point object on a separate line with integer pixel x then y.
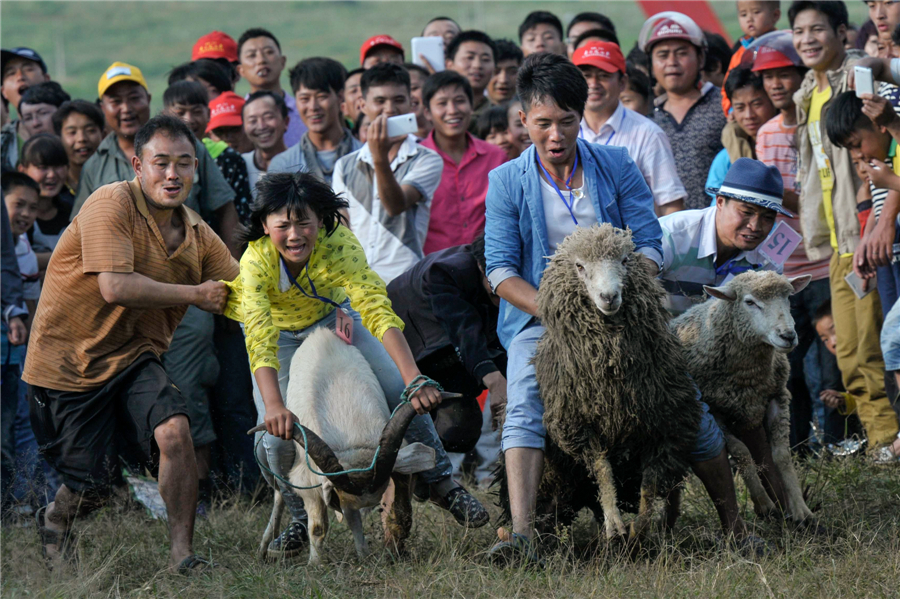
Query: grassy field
{"type": "Point", "coordinates": [122, 554]}
{"type": "Point", "coordinates": [80, 39]}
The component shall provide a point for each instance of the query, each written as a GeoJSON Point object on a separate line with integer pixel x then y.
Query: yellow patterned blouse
{"type": "Point", "coordinates": [265, 300]}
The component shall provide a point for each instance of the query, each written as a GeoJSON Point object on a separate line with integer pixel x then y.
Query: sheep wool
{"type": "Point", "coordinates": [742, 376]}
{"type": "Point", "coordinates": [615, 388]}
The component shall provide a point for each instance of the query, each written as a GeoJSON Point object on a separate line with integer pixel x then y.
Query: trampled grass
{"type": "Point", "coordinates": [122, 554]}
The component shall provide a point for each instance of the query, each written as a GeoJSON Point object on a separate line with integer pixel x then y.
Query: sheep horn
{"type": "Point", "coordinates": [323, 456]}
{"type": "Point", "coordinates": [391, 439]}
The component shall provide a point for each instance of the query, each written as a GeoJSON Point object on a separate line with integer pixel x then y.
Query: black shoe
{"type": "Point", "coordinates": [289, 543]}
{"type": "Point", "coordinates": [467, 510]}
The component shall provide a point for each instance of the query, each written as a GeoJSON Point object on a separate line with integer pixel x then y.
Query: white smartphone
{"type": "Point", "coordinates": [432, 48]}
{"type": "Point", "coordinates": [856, 284]}
{"type": "Point", "coordinates": [865, 84]}
{"type": "Point", "coordinates": [402, 124]}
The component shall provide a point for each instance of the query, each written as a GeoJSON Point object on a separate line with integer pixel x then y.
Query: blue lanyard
{"type": "Point", "coordinates": [731, 268]}
{"type": "Point", "coordinates": [606, 143]}
{"type": "Point", "coordinates": [571, 203]}
{"type": "Point", "coordinates": [611, 136]}
{"type": "Point", "coordinates": [311, 286]}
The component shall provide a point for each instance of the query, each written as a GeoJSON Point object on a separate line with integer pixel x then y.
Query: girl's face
{"type": "Point", "coordinates": [50, 178]}
{"type": "Point", "coordinates": [294, 236]}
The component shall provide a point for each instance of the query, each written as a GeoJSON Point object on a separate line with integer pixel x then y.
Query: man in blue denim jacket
{"type": "Point", "coordinates": [533, 203]}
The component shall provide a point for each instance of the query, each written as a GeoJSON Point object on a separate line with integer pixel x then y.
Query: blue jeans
{"type": "Point", "coordinates": [279, 454]}
{"type": "Point", "coordinates": [890, 339]}
{"type": "Point", "coordinates": [524, 424]}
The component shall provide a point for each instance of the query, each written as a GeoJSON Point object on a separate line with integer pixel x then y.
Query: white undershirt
{"type": "Point", "coordinates": [559, 221]}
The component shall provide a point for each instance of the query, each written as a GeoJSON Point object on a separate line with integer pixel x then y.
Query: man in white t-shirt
{"type": "Point", "coordinates": [389, 182]}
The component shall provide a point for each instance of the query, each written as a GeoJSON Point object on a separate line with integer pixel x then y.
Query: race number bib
{"type": "Point", "coordinates": [343, 326]}
{"type": "Point", "coordinates": [780, 243]}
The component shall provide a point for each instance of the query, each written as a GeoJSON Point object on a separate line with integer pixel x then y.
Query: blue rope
{"type": "Point", "coordinates": [414, 387]}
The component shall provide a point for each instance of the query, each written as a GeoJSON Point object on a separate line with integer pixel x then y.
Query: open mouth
{"type": "Point", "coordinates": [172, 190]}
{"type": "Point", "coordinates": [454, 122]}
{"type": "Point", "coordinates": [263, 72]}
{"type": "Point", "coordinates": [295, 251]}
{"type": "Point", "coordinates": [556, 152]}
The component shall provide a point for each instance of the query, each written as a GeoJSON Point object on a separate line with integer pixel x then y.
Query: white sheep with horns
{"type": "Point", "coordinates": [737, 345]}
{"type": "Point", "coordinates": [338, 400]}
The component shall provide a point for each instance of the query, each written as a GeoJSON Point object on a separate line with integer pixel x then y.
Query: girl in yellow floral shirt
{"type": "Point", "coordinates": [303, 270]}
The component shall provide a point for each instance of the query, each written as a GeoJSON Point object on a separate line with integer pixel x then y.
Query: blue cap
{"type": "Point", "coordinates": [753, 182]}
{"type": "Point", "coordinates": [21, 52]}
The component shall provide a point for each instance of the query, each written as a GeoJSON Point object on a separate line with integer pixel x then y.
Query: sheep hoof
{"type": "Point", "coordinates": [615, 528]}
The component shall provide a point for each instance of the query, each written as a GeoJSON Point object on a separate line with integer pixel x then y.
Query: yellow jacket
{"type": "Point", "coordinates": [265, 300]}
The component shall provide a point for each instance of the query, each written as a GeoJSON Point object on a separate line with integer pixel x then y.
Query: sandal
{"type": "Point", "coordinates": [194, 564]}
{"type": "Point", "coordinates": [64, 541]}
{"type": "Point", "coordinates": [519, 550]}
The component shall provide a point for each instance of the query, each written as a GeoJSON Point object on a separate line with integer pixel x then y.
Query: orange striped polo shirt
{"type": "Point", "coordinates": [78, 340]}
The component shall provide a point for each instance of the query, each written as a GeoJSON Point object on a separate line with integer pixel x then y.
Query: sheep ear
{"type": "Point", "coordinates": [722, 293]}
{"type": "Point", "coordinates": [800, 283]}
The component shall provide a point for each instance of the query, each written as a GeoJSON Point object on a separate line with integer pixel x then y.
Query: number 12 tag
{"type": "Point", "coordinates": [343, 326]}
{"type": "Point", "coordinates": [780, 243]}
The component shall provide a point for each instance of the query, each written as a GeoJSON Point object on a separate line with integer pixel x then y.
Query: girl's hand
{"type": "Point", "coordinates": [280, 421]}
{"type": "Point", "coordinates": [425, 400]}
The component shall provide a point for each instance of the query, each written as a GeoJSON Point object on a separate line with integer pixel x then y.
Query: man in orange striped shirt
{"type": "Point", "coordinates": [119, 282]}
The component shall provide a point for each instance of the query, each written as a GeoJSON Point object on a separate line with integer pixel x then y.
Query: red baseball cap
{"type": "Point", "coordinates": [374, 42]}
{"type": "Point", "coordinates": [769, 58]}
{"type": "Point", "coordinates": [225, 111]}
{"type": "Point", "coordinates": [606, 56]}
{"type": "Point", "coordinates": [215, 45]}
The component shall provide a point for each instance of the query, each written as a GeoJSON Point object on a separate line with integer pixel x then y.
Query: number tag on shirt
{"type": "Point", "coordinates": [343, 326]}
{"type": "Point", "coordinates": [780, 243]}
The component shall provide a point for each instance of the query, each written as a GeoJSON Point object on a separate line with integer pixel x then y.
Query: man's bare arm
{"type": "Point", "coordinates": [133, 290]}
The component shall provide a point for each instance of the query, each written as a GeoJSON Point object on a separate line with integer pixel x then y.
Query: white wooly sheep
{"type": "Point", "coordinates": [338, 400]}
{"type": "Point", "coordinates": [737, 346]}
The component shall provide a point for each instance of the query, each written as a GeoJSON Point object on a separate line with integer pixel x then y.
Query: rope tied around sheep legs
{"type": "Point", "coordinates": [302, 431]}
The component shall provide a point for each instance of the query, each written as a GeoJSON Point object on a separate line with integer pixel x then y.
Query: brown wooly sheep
{"type": "Point", "coordinates": [612, 376]}
{"type": "Point", "coordinates": [737, 346]}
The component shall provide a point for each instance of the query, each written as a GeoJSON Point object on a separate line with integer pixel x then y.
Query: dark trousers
{"type": "Point", "coordinates": [233, 412]}
{"type": "Point", "coordinates": [813, 369]}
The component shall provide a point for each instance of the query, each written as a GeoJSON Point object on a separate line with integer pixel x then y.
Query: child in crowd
{"type": "Point", "coordinates": [22, 196]}
{"type": "Point", "coordinates": [838, 418]}
{"type": "Point", "coordinates": [751, 108]}
{"type": "Point", "coordinates": [518, 134]}
{"type": "Point", "coordinates": [637, 94]}
{"type": "Point", "coordinates": [302, 270]}
{"type": "Point", "coordinates": [493, 127]}
{"type": "Point", "coordinates": [756, 18]}
{"type": "Point", "coordinates": [872, 146]}
{"type": "Point", "coordinates": [44, 159]}
{"type": "Point", "coordinates": [848, 127]}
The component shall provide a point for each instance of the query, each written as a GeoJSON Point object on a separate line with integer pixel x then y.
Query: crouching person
{"type": "Point", "coordinates": [451, 317]}
{"type": "Point", "coordinates": [533, 203]}
{"type": "Point", "coordinates": [303, 270]}
{"type": "Point", "coordinates": [119, 282]}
